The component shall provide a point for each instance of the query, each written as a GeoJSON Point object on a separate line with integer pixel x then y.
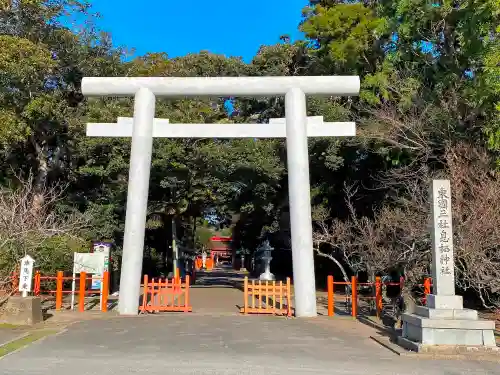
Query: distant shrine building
{"type": "Point", "coordinates": [221, 246]}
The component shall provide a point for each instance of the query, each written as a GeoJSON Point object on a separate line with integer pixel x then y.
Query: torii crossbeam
{"type": "Point", "coordinates": [276, 128]}
{"type": "Point", "coordinates": [296, 127]}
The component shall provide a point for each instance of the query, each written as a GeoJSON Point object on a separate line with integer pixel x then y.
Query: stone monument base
{"type": "Point", "coordinates": [22, 311]}
{"type": "Point", "coordinates": [447, 349]}
{"type": "Point", "coordinates": [445, 322]}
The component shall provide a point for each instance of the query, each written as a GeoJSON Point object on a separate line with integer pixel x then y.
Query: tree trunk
{"type": "Point", "coordinates": [333, 259]}
{"type": "Point", "coordinates": [41, 179]}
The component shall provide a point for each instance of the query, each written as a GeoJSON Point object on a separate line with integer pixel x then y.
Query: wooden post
{"type": "Point", "coordinates": [252, 294]}
{"type": "Point", "coordinates": [266, 295]}
{"type": "Point", "coordinates": [354, 293]}
{"type": "Point", "coordinates": [105, 291]}
{"type": "Point", "coordinates": [378, 296]}
{"type": "Point", "coordinates": [331, 301]}
{"type": "Point", "coordinates": [186, 295]}
{"type": "Point", "coordinates": [281, 297]}
{"type": "Point", "coordinates": [153, 294]}
{"type": "Point", "coordinates": [289, 296]}
{"type": "Point", "coordinates": [59, 290]}
{"type": "Point", "coordinates": [274, 294]}
{"type": "Point", "coordinates": [260, 295]}
{"type": "Point", "coordinates": [245, 296]}
{"type": "Point", "coordinates": [145, 293]}
{"type": "Point", "coordinates": [81, 295]}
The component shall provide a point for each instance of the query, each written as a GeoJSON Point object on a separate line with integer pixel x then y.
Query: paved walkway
{"type": "Point", "coordinates": [202, 344]}
{"type": "Point", "coordinates": [216, 339]}
{"type": "Point", "coordinates": [218, 292]}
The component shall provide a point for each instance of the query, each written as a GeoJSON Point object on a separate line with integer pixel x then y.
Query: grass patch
{"type": "Point", "coordinates": [24, 341]}
{"type": "Point", "coordinates": [7, 325]}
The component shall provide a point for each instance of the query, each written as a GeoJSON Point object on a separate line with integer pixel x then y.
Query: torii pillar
{"type": "Point", "coordinates": [295, 89]}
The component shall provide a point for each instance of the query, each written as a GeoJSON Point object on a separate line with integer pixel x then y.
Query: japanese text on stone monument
{"type": "Point", "coordinates": [442, 234]}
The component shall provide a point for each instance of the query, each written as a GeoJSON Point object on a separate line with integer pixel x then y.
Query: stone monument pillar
{"type": "Point", "coordinates": [444, 321]}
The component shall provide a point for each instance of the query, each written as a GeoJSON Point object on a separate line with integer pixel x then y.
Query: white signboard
{"type": "Point", "coordinates": [88, 262]}
{"type": "Point", "coordinates": [26, 275]}
{"type": "Point", "coordinates": [92, 263]}
{"type": "Point", "coordinates": [104, 248]}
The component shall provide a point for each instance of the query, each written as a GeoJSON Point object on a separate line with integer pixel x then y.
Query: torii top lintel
{"type": "Point", "coordinates": [221, 86]}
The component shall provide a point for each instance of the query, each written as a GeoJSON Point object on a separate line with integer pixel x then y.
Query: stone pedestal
{"type": "Point", "coordinates": [446, 322]}
{"type": "Point", "coordinates": [22, 311]}
{"type": "Point", "coordinates": [267, 275]}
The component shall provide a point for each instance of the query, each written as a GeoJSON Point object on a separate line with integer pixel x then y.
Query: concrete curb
{"type": "Point", "coordinates": [31, 342]}
{"type": "Point", "coordinates": [22, 335]}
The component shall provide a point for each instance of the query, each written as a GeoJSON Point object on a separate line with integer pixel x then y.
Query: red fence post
{"type": "Point", "coordinates": [331, 302]}
{"type": "Point", "coordinates": [145, 294]}
{"type": "Point", "coordinates": [427, 288]}
{"type": "Point", "coordinates": [59, 290]}
{"type": "Point", "coordinates": [378, 296]}
{"type": "Point", "coordinates": [81, 295]}
{"type": "Point", "coordinates": [288, 296]}
{"type": "Point", "coordinates": [105, 291]}
{"type": "Point", "coordinates": [186, 295]}
{"type": "Point", "coordinates": [354, 293]}
{"type": "Point", "coordinates": [245, 295]}
{"type": "Point", "coordinates": [36, 288]}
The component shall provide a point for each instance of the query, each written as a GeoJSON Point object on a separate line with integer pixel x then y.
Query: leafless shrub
{"type": "Point", "coordinates": [476, 218]}
{"type": "Point", "coordinates": [418, 130]}
{"type": "Point", "coordinates": [398, 235]}
{"type": "Point", "coordinates": [395, 239]}
{"type": "Point", "coordinates": [43, 232]}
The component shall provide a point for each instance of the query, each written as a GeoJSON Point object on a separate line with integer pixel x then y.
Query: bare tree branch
{"type": "Point", "coordinates": [42, 232]}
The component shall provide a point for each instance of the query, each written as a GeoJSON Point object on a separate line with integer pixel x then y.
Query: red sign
{"type": "Point", "coordinates": [221, 239]}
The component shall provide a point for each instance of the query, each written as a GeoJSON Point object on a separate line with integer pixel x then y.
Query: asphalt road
{"type": "Point", "coordinates": [203, 344]}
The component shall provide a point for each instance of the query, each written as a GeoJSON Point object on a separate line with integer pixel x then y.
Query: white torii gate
{"type": "Point", "coordinates": [295, 127]}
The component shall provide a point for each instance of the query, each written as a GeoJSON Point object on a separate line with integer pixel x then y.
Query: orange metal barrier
{"type": "Point", "coordinates": [82, 290]}
{"type": "Point", "coordinates": [270, 297]}
{"type": "Point", "coordinates": [165, 295]}
{"type": "Point", "coordinates": [331, 295]}
{"type": "Point", "coordinates": [198, 264]}
{"type": "Point", "coordinates": [427, 289]}
{"type": "Point", "coordinates": [209, 263]}
{"type": "Point", "coordinates": [354, 298]}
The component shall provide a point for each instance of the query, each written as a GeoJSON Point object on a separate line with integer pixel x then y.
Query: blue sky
{"type": "Point", "coordinates": [233, 28]}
